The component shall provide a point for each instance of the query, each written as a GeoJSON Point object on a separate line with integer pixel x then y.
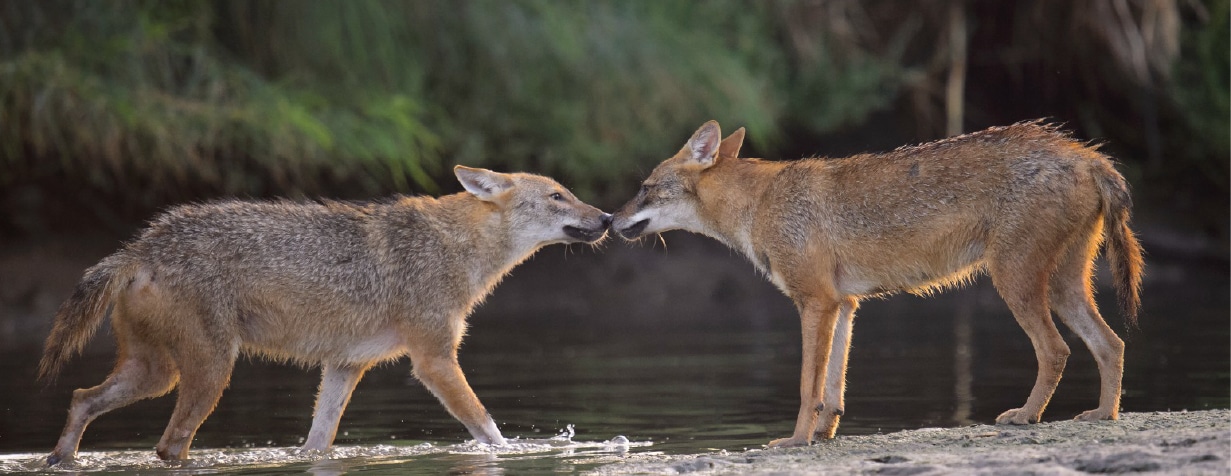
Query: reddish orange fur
{"type": "Point", "coordinates": [1025, 203]}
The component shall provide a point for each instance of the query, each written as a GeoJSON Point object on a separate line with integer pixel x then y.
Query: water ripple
{"type": "Point", "coordinates": [335, 461]}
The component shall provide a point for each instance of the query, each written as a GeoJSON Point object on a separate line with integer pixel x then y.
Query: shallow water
{"type": "Point", "coordinates": [555, 453]}
{"type": "Point", "coordinates": [634, 387]}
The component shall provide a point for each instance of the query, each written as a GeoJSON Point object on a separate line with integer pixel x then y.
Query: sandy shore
{"type": "Point", "coordinates": [1163, 442]}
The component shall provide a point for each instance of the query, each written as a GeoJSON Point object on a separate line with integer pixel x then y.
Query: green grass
{"type": "Point", "coordinates": [280, 97]}
{"type": "Point", "coordinates": [289, 97]}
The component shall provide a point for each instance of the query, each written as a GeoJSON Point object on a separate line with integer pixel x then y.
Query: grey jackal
{"type": "Point", "coordinates": [340, 285]}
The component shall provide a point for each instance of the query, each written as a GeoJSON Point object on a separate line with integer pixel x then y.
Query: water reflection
{"type": "Point", "coordinates": [963, 350]}
{"type": "Point", "coordinates": [328, 467]}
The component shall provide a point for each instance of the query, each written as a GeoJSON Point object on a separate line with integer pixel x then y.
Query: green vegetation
{"type": "Point", "coordinates": [253, 97]}
{"type": "Point", "coordinates": [147, 92]}
{"type": "Point", "coordinates": [1203, 91]}
{"type": "Point", "coordinates": [186, 99]}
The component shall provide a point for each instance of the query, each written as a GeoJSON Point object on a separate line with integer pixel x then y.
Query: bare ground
{"type": "Point", "coordinates": [1184, 442]}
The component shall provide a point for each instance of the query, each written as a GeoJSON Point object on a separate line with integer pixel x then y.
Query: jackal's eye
{"type": "Point", "coordinates": [556, 196]}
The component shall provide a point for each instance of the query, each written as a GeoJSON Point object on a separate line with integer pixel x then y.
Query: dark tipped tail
{"type": "Point", "coordinates": [1123, 250]}
{"type": "Point", "coordinates": [79, 316]}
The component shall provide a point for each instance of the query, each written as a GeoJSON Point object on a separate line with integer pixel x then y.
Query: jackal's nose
{"type": "Point", "coordinates": [606, 219]}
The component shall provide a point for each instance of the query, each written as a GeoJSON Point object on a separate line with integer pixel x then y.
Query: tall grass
{"type": "Point", "coordinates": [590, 91]}
{"type": "Point", "coordinates": [117, 91]}
{"type": "Point", "coordinates": [280, 96]}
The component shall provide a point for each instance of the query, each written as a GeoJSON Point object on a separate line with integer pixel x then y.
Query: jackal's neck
{"type": "Point", "coordinates": [730, 196]}
{"type": "Point", "coordinates": [481, 235]}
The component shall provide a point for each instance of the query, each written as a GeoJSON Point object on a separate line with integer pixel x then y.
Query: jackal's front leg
{"type": "Point", "coordinates": [337, 384]}
{"type": "Point", "coordinates": [443, 377]}
{"type": "Point", "coordinates": [835, 375]}
{"type": "Point", "coordinates": [818, 319]}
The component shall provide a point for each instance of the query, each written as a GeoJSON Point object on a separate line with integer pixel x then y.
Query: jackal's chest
{"type": "Point", "coordinates": [761, 260]}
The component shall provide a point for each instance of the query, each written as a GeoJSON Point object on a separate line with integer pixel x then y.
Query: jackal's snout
{"type": "Point", "coordinates": [628, 222]}
{"type": "Point", "coordinates": [591, 230]}
{"type": "Point", "coordinates": [634, 230]}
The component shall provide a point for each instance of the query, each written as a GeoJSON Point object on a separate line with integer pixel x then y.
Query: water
{"type": "Point", "coordinates": [639, 385]}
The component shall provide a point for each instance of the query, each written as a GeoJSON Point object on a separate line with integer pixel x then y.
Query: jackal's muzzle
{"type": "Point", "coordinates": [589, 235]}
{"type": "Point", "coordinates": [634, 231]}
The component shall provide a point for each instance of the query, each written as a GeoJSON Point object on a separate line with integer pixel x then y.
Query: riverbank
{"type": "Point", "coordinates": [1183, 442]}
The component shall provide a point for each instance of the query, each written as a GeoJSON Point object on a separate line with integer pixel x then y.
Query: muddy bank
{"type": "Point", "coordinates": [1161, 442]}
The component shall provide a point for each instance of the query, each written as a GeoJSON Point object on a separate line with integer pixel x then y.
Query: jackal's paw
{"type": "Point", "coordinates": [55, 458]}
{"type": "Point", "coordinates": [167, 453]}
{"type": "Point", "coordinates": [789, 442]}
{"type": "Point", "coordinates": [822, 434]}
{"type": "Point", "coordinates": [1096, 415]}
{"type": "Point", "coordinates": [1017, 416]}
{"type": "Point", "coordinates": [826, 430]}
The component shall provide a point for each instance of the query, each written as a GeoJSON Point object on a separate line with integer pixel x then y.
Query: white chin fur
{"type": "Point", "coordinates": [657, 221]}
{"type": "Point", "coordinates": [667, 219]}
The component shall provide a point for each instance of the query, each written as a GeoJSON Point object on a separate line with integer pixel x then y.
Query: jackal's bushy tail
{"type": "Point", "coordinates": [79, 316]}
{"type": "Point", "coordinates": [1123, 250]}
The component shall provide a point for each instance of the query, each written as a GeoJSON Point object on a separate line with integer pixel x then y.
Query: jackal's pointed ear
{"type": "Point", "coordinates": [483, 183]}
{"type": "Point", "coordinates": [730, 146]}
{"type": "Point", "coordinates": [703, 146]}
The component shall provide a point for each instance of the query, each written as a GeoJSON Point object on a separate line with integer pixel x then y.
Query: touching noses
{"type": "Point", "coordinates": [606, 219]}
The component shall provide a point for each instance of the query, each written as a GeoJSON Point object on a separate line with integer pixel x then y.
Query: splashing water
{"type": "Point", "coordinates": [566, 435]}
{"type": "Point", "coordinates": [340, 459]}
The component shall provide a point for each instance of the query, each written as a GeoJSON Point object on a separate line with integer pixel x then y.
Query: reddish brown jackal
{"type": "Point", "coordinates": [1026, 204]}
{"type": "Point", "coordinates": [340, 285]}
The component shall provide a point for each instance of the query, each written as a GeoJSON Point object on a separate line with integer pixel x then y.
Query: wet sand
{"type": "Point", "coordinates": [1183, 442]}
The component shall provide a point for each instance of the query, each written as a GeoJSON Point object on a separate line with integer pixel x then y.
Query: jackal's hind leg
{"type": "Point", "coordinates": [337, 384]}
{"type": "Point", "coordinates": [1023, 285]}
{"type": "Point", "coordinates": [142, 371]}
{"type": "Point", "coordinates": [1073, 300]}
{"type": "Point", "coordinates": [204, 372]}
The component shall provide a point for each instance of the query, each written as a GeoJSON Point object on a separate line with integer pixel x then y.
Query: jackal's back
{"type": "Point", "coordinates": [276, 276]}
{"type": "Point", "coordinates": [925, 216]}
{"type": "Point", "coordinates": [989, 171]}
{"type": "Point", "coordinates": [239, 245]}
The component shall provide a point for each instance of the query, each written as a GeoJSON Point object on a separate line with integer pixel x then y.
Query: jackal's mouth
{"type": "Point", "coordinates": [584, 234]}
{"type": "Point", "coordinates": [635, 230]}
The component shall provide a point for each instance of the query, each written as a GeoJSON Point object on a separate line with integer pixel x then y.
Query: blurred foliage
{"type": "Point", "coordinates": [253, 97]}
{"type": "Point", "coordinates": [144, 92]}
{"type": "Point", "coordinates": [173, 100]}
{"type": "Point", "coordinates": [588, 91]}
{"type": "Point", "coordinates": [1202, 91]}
